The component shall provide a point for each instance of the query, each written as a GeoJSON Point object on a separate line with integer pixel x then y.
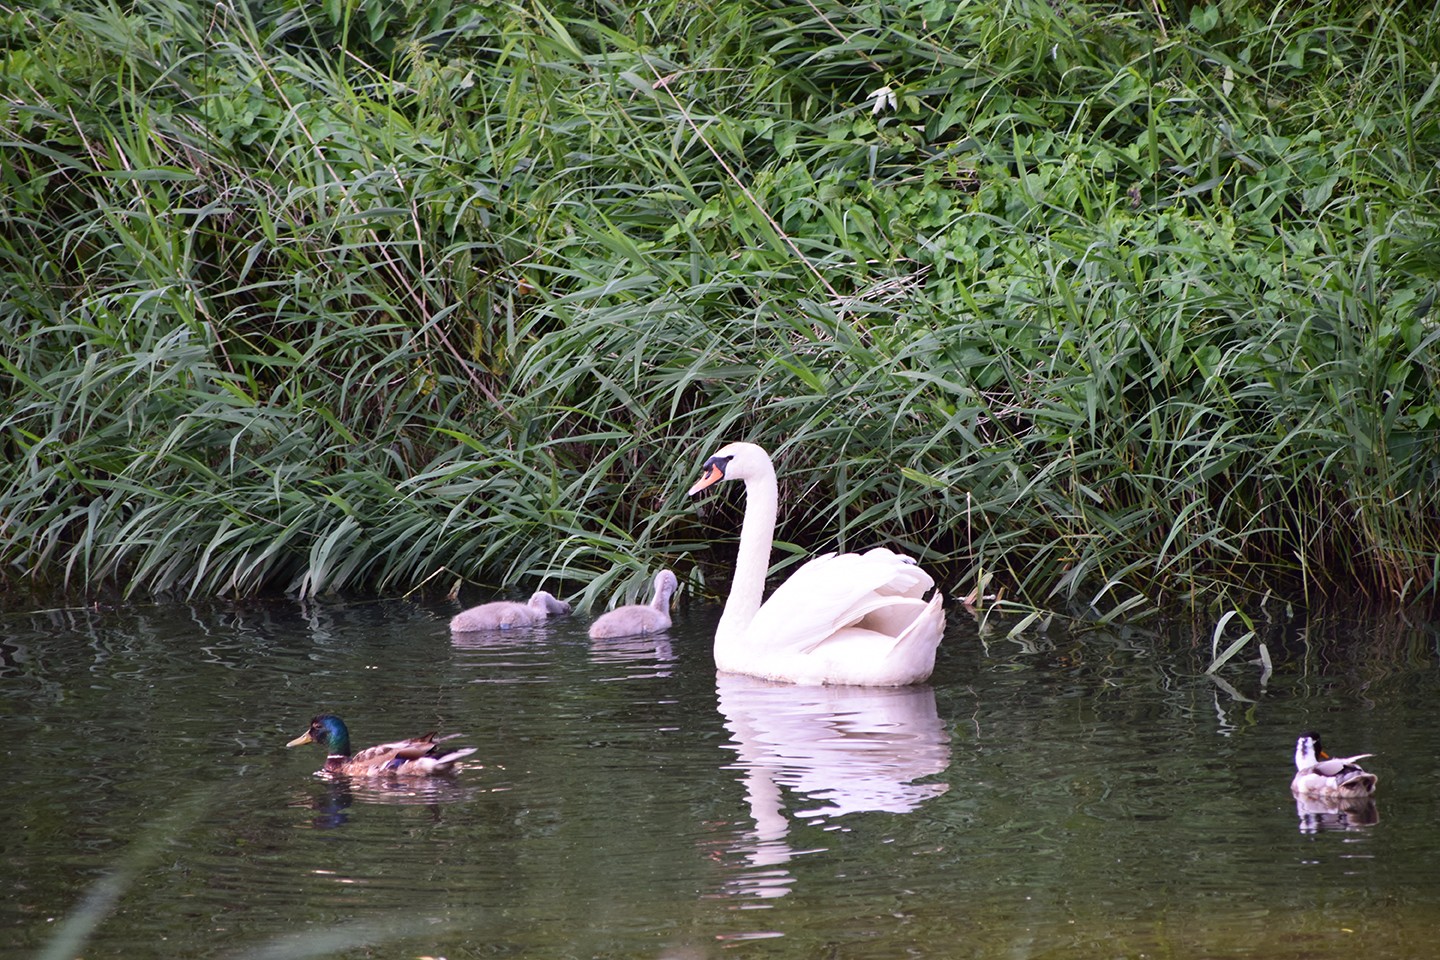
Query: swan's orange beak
{"type": "Point", "coordinates": [714, 473]}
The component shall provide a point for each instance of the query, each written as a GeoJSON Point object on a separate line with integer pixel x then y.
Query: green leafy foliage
{"type": "Point", "coordinates": [1099, 306]}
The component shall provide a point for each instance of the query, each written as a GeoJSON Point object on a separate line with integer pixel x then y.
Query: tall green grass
{"type": "Point", "coordinates": [1114, 309]}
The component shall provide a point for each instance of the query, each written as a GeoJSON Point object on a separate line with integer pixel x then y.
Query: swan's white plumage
{"type": "Point", "coordinates": [839, 619]}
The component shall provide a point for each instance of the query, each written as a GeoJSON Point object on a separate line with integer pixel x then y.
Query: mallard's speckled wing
{"type": "Point", "coordinates": [383, 756]}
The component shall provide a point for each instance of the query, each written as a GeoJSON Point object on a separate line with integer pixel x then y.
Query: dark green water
{"type": "Point", "coordinates": [1091, 796]}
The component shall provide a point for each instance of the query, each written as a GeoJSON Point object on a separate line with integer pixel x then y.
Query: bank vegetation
{"type": "Point", "coordinates": [1089, 306]}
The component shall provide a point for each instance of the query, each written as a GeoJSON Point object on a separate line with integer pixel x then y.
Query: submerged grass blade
{"type": "Point", "coordinates": [103, 896]}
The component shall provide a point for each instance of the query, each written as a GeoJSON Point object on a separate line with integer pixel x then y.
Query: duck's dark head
{"type": "Point", "coordinates": [329, 731]}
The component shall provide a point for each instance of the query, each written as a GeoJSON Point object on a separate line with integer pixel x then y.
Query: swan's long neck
{"type": "Point", "coordinates": [752, 560]}
{"type": "Point", "coordinates": [663, 592]}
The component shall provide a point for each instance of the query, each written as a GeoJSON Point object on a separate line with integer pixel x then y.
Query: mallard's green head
{"type": "Point", "coordinates": [329, 731]}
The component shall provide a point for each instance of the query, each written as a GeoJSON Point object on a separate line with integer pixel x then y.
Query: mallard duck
{"type": "Point", "coordinates": [842, 618]}
{"type": "Point", "coordinates": [508, 614]}
{"type": "Point", "coordinates": [418, 756]}
{"type": "Point", "coordinates": [1317, 774]}
{"type": "Point", "coordinates": [639, 618]}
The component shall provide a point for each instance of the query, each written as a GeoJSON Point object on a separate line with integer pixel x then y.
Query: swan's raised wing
{"type": "Point", "coordinates": [882, 588]}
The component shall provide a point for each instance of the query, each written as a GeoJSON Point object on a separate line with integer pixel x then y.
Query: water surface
{"type": "Point", "coordinates": [1059, 796]}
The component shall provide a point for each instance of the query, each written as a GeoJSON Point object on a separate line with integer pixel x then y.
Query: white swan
{"type": "Point", "coordinates": [846, 618]}
{"type": "Point", "coordinates": [507, 614]}
{"type": "Point", "coordinates": [639, 618]}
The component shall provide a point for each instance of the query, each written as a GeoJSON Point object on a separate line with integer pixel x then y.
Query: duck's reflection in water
{"type": "Point", "coordinates": [838, 750]}
{"type": "Point", "coordinates": [332, 799]}
{"type": "Point", "coordinates": [1317, 814]}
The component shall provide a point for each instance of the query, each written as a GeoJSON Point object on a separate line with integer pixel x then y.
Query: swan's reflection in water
{"type": "Point", "coordinates": [641, 658]}
{"type": "Point", "coordinates": [1317, 814]}
{"type": "Point", "coordinates": [521, 655]}
{"type": "Point", "coordinates": [838, 750]}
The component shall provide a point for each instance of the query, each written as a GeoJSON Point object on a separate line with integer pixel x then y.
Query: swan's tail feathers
{"type": "Point", "coordinates": [905, 619]}
{"type": "Point", "coordinates": [927, 628]}
{"type": "Point", "coordinates": [913, 652]}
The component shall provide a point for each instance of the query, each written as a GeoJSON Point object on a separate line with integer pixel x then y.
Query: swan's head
{"type": "Point", "coordinates": [546, 605]}
{"type": "Point", "coordinates": [734, 461]}
{"type": "Point", "coordinates": [665, 586]}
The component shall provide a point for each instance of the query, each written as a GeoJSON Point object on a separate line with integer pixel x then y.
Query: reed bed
{"type": "Point", "coordinates": [1088, 307]}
